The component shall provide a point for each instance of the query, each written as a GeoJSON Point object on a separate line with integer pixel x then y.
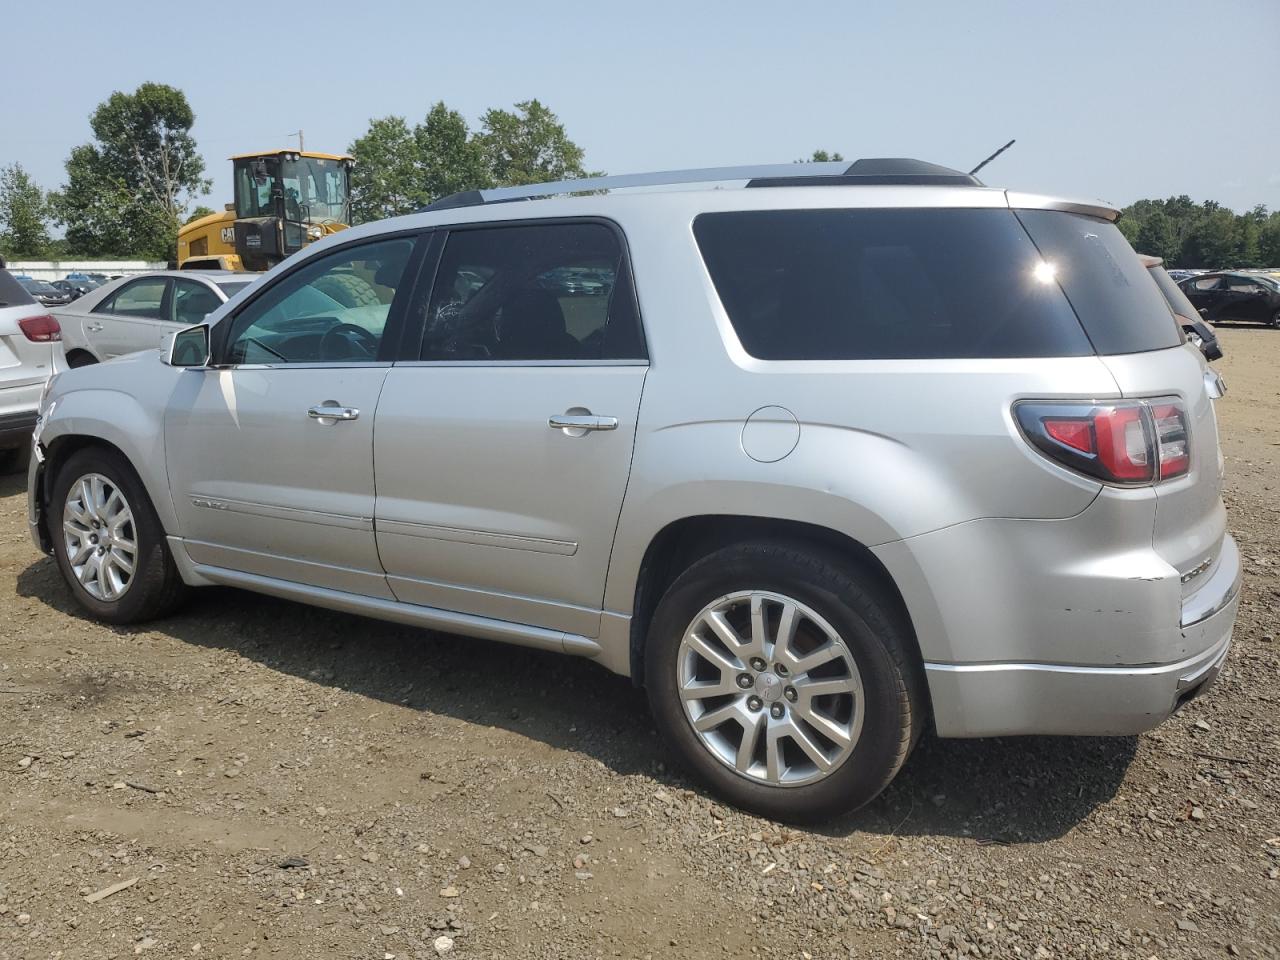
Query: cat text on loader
{"type": "Point", "coordinates": [284, 199]}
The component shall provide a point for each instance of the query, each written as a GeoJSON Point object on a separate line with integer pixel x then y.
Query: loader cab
{"type": "Point", "coordinates": [285, 200]}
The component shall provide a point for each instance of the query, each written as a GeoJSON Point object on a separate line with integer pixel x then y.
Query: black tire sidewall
{"type": "Point", "coordinates": [152, 565]}
{"type": "Point", "coordinates": [867, 629]}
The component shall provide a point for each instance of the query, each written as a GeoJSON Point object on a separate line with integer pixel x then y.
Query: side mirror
{"type": "Point", "coordinates": [189, 347]}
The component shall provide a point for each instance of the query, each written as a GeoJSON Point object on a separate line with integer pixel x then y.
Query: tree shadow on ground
{"type": "Point", "coordinates": [1010, 790]}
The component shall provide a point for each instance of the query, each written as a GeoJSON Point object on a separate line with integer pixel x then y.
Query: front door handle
{"type": "Point", "coordinates": [331, 412]}
{"type": "Point", "coordinates": [577, 425]}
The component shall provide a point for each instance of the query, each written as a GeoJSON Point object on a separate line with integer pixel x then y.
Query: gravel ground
{"type": "Point", "coordinates": [274, 780]}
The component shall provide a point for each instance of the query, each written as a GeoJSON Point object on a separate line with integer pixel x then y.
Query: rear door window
{"type": "Point", "coordinates": [886, 284]}
{"type": "Point", "coordinates": [544, 292]}
{"type": "Point", "coordinates": [1117, 301]}
{"type": "Point", "coordinates": [140, 299]}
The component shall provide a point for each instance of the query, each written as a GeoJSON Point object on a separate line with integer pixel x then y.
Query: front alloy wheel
{"type": "Point", "coordinates": [99, 536]}
{"type": "Point", "coordinates": [770, 688]}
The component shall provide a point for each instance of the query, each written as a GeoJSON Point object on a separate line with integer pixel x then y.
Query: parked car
{"type": "Point", "coordinates": [1196, 329]}
{"type": "Point", "coordinates": [792, 474]}
{"type": "Point", "coordinates": [46, 293]}
{"type": "Point", "coordinates": [72, 288]}
{"type": "Point", "coordinates": [137, 312]}
{"type": "Point", "coordinates": [29, 355]}
{"type": "Point", "coordinates": [1235, 296]}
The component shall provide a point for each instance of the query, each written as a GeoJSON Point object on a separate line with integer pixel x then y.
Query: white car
{"type": "Point", "coordinates": [30, 353]}
{"type": "Point", "coordinates": [137, 313]}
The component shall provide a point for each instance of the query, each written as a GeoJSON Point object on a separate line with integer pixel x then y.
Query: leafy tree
{"type": "Point", "coordinates": [1158, 237]}
{"type": "Point", "coordinates": [24, 231]}
{"type": "Point", "coordinates": [384, 180]}
{"type": "Point", "coordinates": [821, 156]}
{"type": "Point", "coordinates": [128, 191]}
{"type": "Point", "coordinates": [1269, 241]}
{"type": "Point", "coordinates": [197, 213]}
{"type": "Point", "coordinates": [450, 158]}
{"type": "Point", "coordinates": [401, 168]}
{"type": "Point", "coordinates": [1212, 241]}
{"type": "Point", "coordinates": [528, 145]}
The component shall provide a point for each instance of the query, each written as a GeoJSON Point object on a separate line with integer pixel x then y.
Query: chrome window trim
{"type": "Point", "coordinates": [522, 363]}
{"type": "Point", "coordinates": [308, 365]}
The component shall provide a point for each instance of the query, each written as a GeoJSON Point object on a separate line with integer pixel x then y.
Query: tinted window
{"type": "Point", "coordinates": [1173, 294]}
{"type": "Point", "coordinates": [232, 287]}
{"type": "Point", "coordinates": [11, 292]}
{"type": "Point", "coordinates": [1118, 303]}
{"type": "Point", "coordinates": [141, 299]}
{"type": "Point", "coordinates": [1243, 284]}
{"type": "Point", "coordinates": [540, 292]}
{"type": "Point", "coordinates": [878, 284]}
{"type": "Point", "coordinates": [333, 309]}
{"type": "Point", "coordinates": [191, 301]}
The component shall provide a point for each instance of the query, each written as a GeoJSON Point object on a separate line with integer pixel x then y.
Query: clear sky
{"type": "Point", "coordinates": [1115, 100]}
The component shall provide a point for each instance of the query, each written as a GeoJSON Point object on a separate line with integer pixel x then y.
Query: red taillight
{"type": "Point", "coordinates": [42, 329]}
{"type": "Point", "coordinates": [1127, 442]}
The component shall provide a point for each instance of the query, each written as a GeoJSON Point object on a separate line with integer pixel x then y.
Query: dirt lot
{"type": "Point", "coordinates": [282, 781]}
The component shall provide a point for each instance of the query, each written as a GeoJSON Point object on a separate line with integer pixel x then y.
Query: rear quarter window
{"type": "Point", "coordinates": [1118, 303]}
{"type": "Point", "coordinates": [886, 284]}
{"type": "Point", "coordinates": [12, 293]}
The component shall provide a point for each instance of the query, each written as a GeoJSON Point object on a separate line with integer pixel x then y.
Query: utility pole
{"type": "Point", "coordinates": [301, 143]}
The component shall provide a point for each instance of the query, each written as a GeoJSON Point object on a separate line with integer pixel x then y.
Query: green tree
{"type": "Point", "coordinates": [1269, 241]}
{"type": "Point", "coordinates": [197, 213]}
{"type": "Point", "coordinates": [1158, 237]}
{"type": "Point", "coordinates": [24, 232]}
{"type": "Point", "coordinates": [1212, 242]}
{"type": "Point", "coordinates": [822, 156]}
{"type": "Point", "coordinates": [528, 145]}
{"type": "Point", "coordinates": [450, 159]}
{"type": "Point", "coordinates": [128, 191]}
{"type": "Point", "coordinates": [384, 180]}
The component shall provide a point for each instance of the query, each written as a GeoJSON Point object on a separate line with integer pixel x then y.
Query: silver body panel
{"type": "Point", "coordinates": [1043, 601]}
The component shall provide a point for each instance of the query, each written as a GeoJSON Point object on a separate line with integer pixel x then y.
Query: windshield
{"type": "Point", "coordinates": [1173, 293]}
{"type": "Point", "coordinates": [314, 189]}
{"type": "Point", "coordinates": [318, 187]}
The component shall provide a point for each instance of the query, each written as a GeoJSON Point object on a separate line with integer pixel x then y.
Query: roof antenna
{"type": "Point", "coordinates": [992, 157]}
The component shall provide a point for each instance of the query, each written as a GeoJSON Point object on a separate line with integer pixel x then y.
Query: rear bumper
{"type": "Point", "coordinates": [15, 428]}
{"type": "Point", "coordinates": [999, 699]}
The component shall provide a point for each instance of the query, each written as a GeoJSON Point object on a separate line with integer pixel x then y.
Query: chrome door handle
{"type": "Point", "coordinates": [572, 424]}
{"type": "Point", "coordinates": [330, 411]}
{"type": "Point", "coordinates": [93, 327]}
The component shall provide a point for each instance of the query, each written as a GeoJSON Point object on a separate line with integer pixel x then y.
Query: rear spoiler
{"type": "Point", "coordinates": [1039, 201]}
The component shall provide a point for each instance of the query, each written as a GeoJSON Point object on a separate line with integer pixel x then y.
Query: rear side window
{"type": "Point", "coordinates": [886, 284]}
{"type": "Point", "coordinates": [1119, 304]}
{"type": "Point", "coordinates": [1173, 294]}
{"type": "Point", "coordinates": [12, 293]}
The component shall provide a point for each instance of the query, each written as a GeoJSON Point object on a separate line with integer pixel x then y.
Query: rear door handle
{"type": "Point", "coordinates": [331, 411]}
{"type": "Point", "coordinates": [93, 327]}
{"type": "Point", "coordinates": [577, 425]}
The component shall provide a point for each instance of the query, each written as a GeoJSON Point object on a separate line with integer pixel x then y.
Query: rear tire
{"type": "Point", "coordinates": [80, 358]}
{"type": "Point", "coordinates": [108, 541]}
{"type": "Point", "coordinates": [1274, 322]}
{"type": "Point", "coordinates": [863, 729]}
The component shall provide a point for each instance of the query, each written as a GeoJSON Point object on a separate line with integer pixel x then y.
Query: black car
{"type": "Point", "coordinates": [74, 289]}
{"type": "Point", "coordinates": [1235, 296]}
{"type": "Point", "coordinates": [46, 293]}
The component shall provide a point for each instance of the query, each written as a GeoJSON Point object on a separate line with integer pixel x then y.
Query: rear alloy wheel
{"type": "Point", "coordinates": [108, 540]}
{"type": "Point", "coordinates": [781, 675]}
{"type": "Point", "coordinates": [770, 688]}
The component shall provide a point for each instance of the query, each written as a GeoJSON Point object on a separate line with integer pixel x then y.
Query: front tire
{"type": "Point", "coordinates": [782, 678]}
{"type": "Point", "coordinates": [108, 541]}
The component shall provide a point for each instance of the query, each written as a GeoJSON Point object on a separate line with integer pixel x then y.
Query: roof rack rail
{"type": "Point", "coordinates": [870, 172]}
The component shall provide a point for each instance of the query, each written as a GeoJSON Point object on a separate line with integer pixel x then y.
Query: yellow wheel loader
{"type": "Point", "coordinates": [284, 199]}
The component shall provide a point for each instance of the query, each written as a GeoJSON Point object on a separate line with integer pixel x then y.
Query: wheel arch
{"type": "Point", "coordinates": [76, 354]}
{"type": "Point", "coordinates": [684, 541]}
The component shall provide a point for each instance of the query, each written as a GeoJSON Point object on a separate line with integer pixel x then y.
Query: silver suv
{"type": "Point", "coordinates": [821, 460]}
